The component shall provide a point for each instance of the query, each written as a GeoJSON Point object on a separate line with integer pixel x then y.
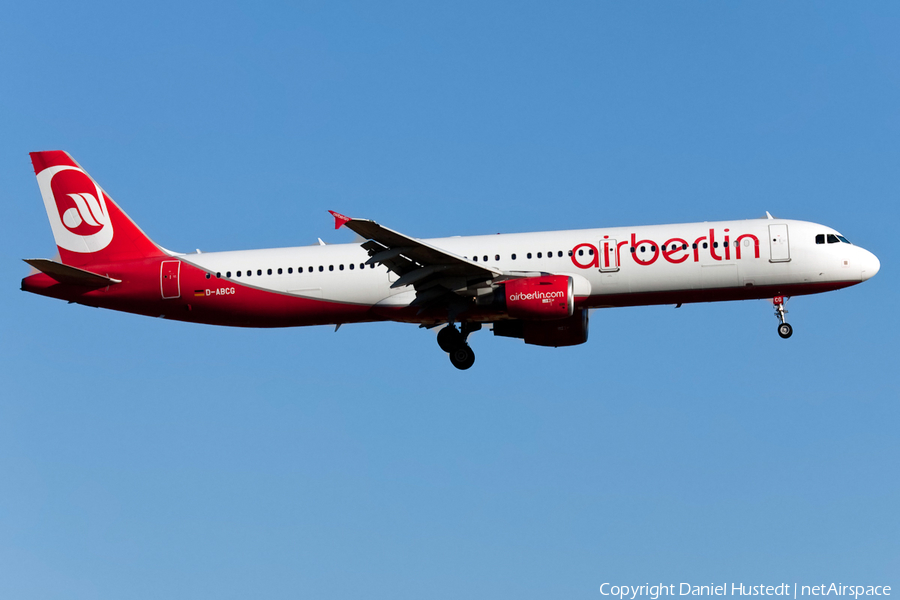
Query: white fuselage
{"type": "Point", "coordinates": [769, 254]}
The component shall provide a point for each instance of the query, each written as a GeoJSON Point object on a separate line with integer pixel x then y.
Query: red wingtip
{"type": "Point", "coordinates": [339, 219]}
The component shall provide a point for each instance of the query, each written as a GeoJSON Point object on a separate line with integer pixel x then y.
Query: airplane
{"type": "Point", "coordinates": [537, 287]}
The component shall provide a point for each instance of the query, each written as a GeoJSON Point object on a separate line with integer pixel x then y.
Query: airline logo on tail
{"type": "Point", "coordinates": [76, 207]}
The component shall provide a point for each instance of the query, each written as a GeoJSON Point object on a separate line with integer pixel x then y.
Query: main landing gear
{"type": "Point", "coordinates": [784, 328]}
{"type": "Point", "coordinates": [453, 342]}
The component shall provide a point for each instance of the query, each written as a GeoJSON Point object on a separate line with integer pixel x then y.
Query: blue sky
{"type": "Point", "coordinates": [147, 459]}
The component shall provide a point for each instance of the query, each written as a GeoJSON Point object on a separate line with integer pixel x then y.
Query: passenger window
{"type": "Point", "coordinates": [705, 245]}
{"type": "Point", "coordinates": [570, 253]}
{"type": "Point", "coordinates": [280, 271]}
{"type": "Point", "coordinates": [249, 272]}
{"type": "Point", "coordinates": [540, 254]}
{"type": "Point", "coordinates": [362, 265]}
{"type": "Point", "coordinates": [485, 258]}
{"type": "Point", "coordinates": [832, 239]}
{"type": "Point", "coordinates": [321, 268]}
{"type": "Point", "coordinates": [291, 270]}
{"type": "Point", "coordinates": [207, 275]}
{"type": "Point", "coordinates": [643, 248]}
{"type": "Point", "coordinates": [218, 275]}
{"type": "Point", "coordinates": [228, 274]}
{"type": "Point", "coordinates": [694, 245]}
{"type": "Point", "coordinates": [238, 273]}
{"type": "Point", "coordinates": [352, 266]}
{"type": "Point", "coordinates": [497, 257]}
{"type": "Point", "coordinates": [581, 252]}
{"type": "Point", "coordinates": [528, 255]}
{"type": "Point", "coordinates": [715, 244]}
{"type": "Point", "coordinates": [259, 271]}
{"type": "Point", "coordinates": [475, 258]}
{"type": "Point", "coordinates": [331, 267]}
{"type": "Point", "coordinates": [560, 254]}
{"type": "Point", "coordinates": [341, 267]}
{"type": "Point", "coordinates": [269, 272]}
{"type": "Point", "coordinates": [513, 256]}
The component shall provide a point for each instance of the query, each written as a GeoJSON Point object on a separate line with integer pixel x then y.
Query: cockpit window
{"type": "Point", "coordinates": [832, 238]}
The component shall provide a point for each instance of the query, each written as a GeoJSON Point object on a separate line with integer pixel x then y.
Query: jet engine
{"type": "Point", "coordinates": [570, 331]}
{"type": "Point", "coordinates": [540, 298]}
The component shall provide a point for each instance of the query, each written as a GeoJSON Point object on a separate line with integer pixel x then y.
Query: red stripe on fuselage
{"type": "Point", "coordinates": [755, 292]}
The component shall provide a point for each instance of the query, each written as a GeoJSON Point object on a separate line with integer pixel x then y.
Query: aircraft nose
{"type": "Point", "coordinates": [870, 265]}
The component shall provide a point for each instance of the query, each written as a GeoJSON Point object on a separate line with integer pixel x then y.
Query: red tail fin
{"type": "Point", "coordinates": [88, 226]}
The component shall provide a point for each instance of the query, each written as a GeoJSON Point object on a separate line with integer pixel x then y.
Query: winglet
{"type": "Point", "coordinates": [339, 219]}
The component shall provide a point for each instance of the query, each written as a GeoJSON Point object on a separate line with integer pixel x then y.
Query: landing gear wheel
{"type": "Point", "coordinates": [462, 357]}
{"type": "Point", "coordinates": [784, 328]}
{"type": "Point", "coordinates": [449, 338]}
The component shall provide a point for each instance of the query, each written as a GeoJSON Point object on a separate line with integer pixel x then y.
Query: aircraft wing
{"type": "Point", "coordinates": [429, 269]}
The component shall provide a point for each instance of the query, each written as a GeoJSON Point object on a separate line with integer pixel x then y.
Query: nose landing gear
{"type": "Point", "coordinates": [453, 342]}
{"type": "Point", "coordinates": [784, 328]}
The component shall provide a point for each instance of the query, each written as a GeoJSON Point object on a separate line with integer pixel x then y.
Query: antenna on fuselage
{"type": "Point", "coordinates": [769, 216]}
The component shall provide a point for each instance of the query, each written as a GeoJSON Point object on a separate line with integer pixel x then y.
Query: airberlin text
{"type": "Point", "coordinates": [675, 250]}
{"type": "Point", "coordinates": [794, 590]}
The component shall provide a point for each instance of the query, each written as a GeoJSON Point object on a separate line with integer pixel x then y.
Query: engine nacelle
{"type": "Point", "coordinates": [561, 332]}
{"type": "Point", "coordinates": [540, 298]}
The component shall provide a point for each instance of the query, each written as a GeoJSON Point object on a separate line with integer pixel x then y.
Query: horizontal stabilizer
{"type": "Point", "coordinates": [70, 275]}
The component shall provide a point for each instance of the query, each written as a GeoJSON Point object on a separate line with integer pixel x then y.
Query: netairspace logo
{"type": "Point", "coordinates": [654, 592]}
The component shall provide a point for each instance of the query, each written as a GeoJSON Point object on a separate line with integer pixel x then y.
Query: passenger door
{"type": "Point", "coordinates": [779, 245]}
{"type": "Point", "coordinates": [169, 271]}
{"type": "Point", "coordinates": [609, 257]}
